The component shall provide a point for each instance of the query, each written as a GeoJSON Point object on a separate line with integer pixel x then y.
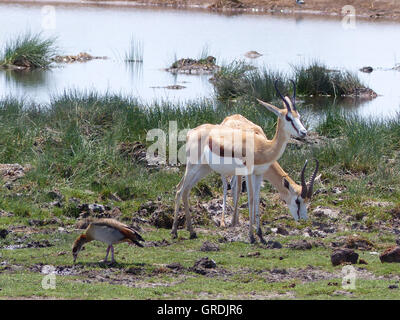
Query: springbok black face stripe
{"type": "Point", "coordinates": [298, 207]}
{"type": "Point", "coordinates": [291, 122]}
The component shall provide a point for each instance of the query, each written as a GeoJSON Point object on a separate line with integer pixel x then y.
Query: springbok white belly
{"type": "Point", "coordinates": [230, 166]}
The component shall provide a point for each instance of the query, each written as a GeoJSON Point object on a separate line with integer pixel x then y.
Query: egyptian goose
{"type": "Point", "coordinates": [109, 231]}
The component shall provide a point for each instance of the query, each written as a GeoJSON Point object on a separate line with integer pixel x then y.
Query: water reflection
{"type": "Point", "coordinates": [282, 41]}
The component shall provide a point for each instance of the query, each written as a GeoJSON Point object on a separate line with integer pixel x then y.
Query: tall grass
{"type": "Point", "coordinates": [316, 79]}
{"type": "Point", "coordinates": [241, 80]}
{"type": "Point", "coordinates": [135, 52]}
{"type": "Point", "coordinates": [28, 50]}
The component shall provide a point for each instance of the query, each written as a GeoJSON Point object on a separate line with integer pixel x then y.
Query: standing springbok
{"type": "Point", "coordinates": [294, 195]}
{"type": "Point", "coordinates": [230, 152]}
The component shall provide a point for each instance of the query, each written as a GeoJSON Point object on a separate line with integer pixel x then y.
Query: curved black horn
{"type": "Point", "coordinates": [312, 179]}
{"type": "Point", "coordinates": [282, 97]}
{"type": "Point", "coordinates": [294, 94]}
{"type": "Point", "coordinates": [303, 182]}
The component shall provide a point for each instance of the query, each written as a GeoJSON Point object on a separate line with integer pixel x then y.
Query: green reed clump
{"type": "Point", "coordinates": [28, 50]}
{"type": "Point", "coordinates": [241, 80]}
{"type": "Point", "coordinates": [316, 79]}
{"type": "Point", "coordinates": [135, 52]}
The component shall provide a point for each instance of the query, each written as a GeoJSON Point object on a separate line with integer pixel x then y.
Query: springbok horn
{"type": "Point", "coordinates": [294, 95]}
{"type": "Point", "coordinates": [312, 179]}
{"type": "Point", "coordinates": [282, 97]}
{"type": "Point", "coordinates": [303, 182]}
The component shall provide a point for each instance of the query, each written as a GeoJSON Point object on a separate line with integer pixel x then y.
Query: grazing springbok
{"type": "Point", "coordinates": [294, 195]}
{"type": "Point", "coordinates": [230, 152]}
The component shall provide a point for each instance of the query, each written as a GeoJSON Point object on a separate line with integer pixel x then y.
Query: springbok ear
{"type": "Point", "coordinates": [271, 108]}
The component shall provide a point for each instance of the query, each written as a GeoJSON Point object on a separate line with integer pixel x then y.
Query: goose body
{"type": "Point", "coordinates": [109, 231]}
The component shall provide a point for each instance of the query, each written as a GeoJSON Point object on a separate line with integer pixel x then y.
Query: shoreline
{"type": "Point", "coordinates": [382, 11]}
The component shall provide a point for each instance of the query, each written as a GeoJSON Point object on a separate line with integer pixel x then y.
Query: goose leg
{"type": "Point", "coordinates": [106, 258]}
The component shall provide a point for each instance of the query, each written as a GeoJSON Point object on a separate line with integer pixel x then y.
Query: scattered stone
{"type": "Point", "coordinates": [362, 261]}
{"type": "Point", "coordinates": [209, 246]}
{"type": "Point", "coordinates": [273, 244]}
{"type": "Point", "coordinates": [326, 212]}
{"type": "Point", "coordinates": [134, 270]}
{"type": "Point", "coordinates": [175, 266]}
{"type": "Point", "coordinates": [342, 293]}
{"type": "Point", "coordinates": [163, 218]}
{"type": "Point", "coordinates": [203, 265]}
{"type": "Point", "coordinates": [4, 233]}
{"type": "Point", "coordinates": [300, 245]}
{"type": "Point", "coordinates": [367, 69]}
{"type": "Point", "coordinates": [390, 255]}
{"type": "Point", "coordinates": [135, 151]}
{"type": "Point", "coordinates": [81, 57]}
{"type": "Point", "coordinates": [343, 255]}
{"type": "Point", "coordinates": [282, 231]}
{"type": "Point", "coordinates": [253, 254]}
{"type": "Point", "coordinates": [279, 271]}
{"type": "Point", "coordinates": [160, 243]}
{"type": "Point", "coordinates": [192, 66]}
{"type": "Point", "coordinates": [380, 204]}
{"type": "Point", "coordinates": [227, 4]}
{"type": "Point", "coordinates": [393, 286]}
{"type": "Point", "coordinates": [12, 172]}
{"type": "Point", "coordinates": [6, 214]}
{"type": "Point", "coordinates": [358, 243]}
{"type": "Point", "coordinates": [252, 54]}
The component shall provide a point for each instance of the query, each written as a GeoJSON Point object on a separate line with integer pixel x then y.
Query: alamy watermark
{"type": "Point", "coordinates": [349, 19]}
{"type": "Point", "coordinates": [49, 280]}
{"type": "Point", "coordinates": [349, 277]}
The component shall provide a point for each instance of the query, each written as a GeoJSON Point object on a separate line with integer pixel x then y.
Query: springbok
{"type": "Point", "coordinates": [294, 195]}
{"type": "Point", "coordinates": [230, 152]}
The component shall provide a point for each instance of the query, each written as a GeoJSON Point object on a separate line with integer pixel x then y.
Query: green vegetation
{"type": "Point", "coordinates": [241, 80]}
{"type": "Point", "coordinates": [83, 146]}
{"type": "Point", "coordinates": [135, 51]}
{"type": "Point", "coordinates": [28, 51]}
{"type": "Point", "coordinates": [316, 79]}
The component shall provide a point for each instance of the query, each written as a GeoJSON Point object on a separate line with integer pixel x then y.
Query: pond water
{"type": "Point", "coordinates": [168, 33]}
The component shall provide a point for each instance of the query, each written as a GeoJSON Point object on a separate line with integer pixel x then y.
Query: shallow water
{"type": "Point", "coordinates": [166, 33]}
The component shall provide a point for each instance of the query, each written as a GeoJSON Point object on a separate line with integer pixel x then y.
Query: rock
{"type": "Point", "coordinates": [380, 204]}
{"type": "Point", "coordinates": [4, 233]}
{"type": "Point", "coordinates": [81, 57]}
{"type": "Point", "coordinates": [252, 54]}
{"type": "Point", "coordinates": [342, 293]}
{"type": "Point", "coordinates": [390, 255]}
{"type": "Point", "coordinates": [254, 254]}
{"type": "Point", "coordinates": [279, 271]}
{"type": "Point", "coordinates": [393, 286]}
{"type": "Point", "coordinates": [300, 245]}
{"type": "Point", "coordinates": [205, 262]}
{"type": "Point", "coordinates": [362, 261]}
{"type": "Point", "coordinates": [367, 69]}
{"type": "Point", "coordinates": [274, 244]}
{"type": "Point", "coordinates": [55, 195]}
{"type": "Point", "coordinates": [203, 265]}
{"type": "Point", "coordinates": [134, 270]}
{"type": "Point", "coordinates": [209, 246]}
{"type": "Point", "coordinates": [175, 266]}
{"type": "Point", "coordinates": [12, 172]}
{"type": "Point", "coordinates": [162, 219]}
{"type": "Point", "coordinates": [342, 255]}
{"type": "Point", "coordinates": [326, 212]}
{"type": "Point", "coordinates": [282, 231]}
{"type": "Point", "coordinates": [192, 66]}
{"type": "Point", "coordinates": [358, 243]}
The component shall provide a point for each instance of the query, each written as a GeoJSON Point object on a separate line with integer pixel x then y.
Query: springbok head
{"type": "Point", "coordinates": [299, 197]}
{"type": "Point", "coordinates": [289, 116]}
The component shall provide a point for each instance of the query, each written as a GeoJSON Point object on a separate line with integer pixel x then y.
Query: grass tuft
{"type": "Point", "coordinates": [28, 51]}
